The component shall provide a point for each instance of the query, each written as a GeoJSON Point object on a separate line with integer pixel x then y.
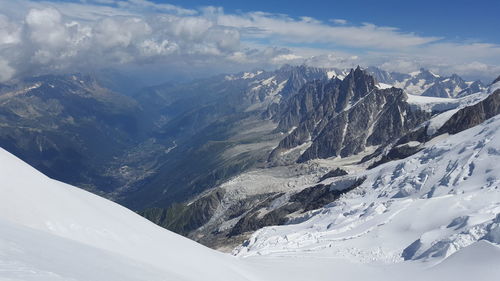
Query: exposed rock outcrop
{"type": "Point", "coordinates": [343, 117]}
{"type": "Point", "coordinates": [471, 116]}
{"type": "Point", "coordinates": [308, 199]}
{"type": "Point", "coordinates": [333, 174]}
{"type": "Point", "coordinates": [183, 218]}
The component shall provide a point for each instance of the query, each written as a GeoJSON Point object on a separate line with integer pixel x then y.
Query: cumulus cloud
{"type": "Point", "coordinates": [9, 32]}
{"type": "Point", "coordinates": [46, 36]}
{"type": "Point", "coordinates": [6, 71]}
{"type": "Point", "coordinates": [47, 39]}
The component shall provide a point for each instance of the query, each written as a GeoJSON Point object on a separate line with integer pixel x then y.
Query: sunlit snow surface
{"type": "Point", "coordinates": [53, 231]}
{"type": "Point", "coordinates": [445, 197]}
{"type": "Point", "coordinates": [440, 201]}
{"type": "Point", "coordinates": [445, 107]}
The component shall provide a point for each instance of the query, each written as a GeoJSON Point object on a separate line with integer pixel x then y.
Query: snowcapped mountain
{"type": "Point", "coordinates": [426, 207]}
{"type": "Point", "coordinates": [271, 195]}
{"type": "Point", "coordinates": [343, 117]}
{"type": "Point", "coordinates": [223, 120]}
{"type": "Point", "coordinates": [350, 206]}
{"type": "Point", "coordinates": [426, 83]}
{"type": "Point", "coordinates": [133, 147]}
{"type": "Point", "coordinates": [51, 231]}
{"type": "Point", "coordinates": [267, 88]}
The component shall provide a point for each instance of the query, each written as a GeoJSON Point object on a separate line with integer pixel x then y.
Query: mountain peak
{"type": "Point", "coordinates": [455, 76]}
{"type": "Point", "coordinates": [359, 72]}
{"type": "Point", "coordinates": [427, 74]}
{"type": "Point", "coordinates": [360, 80]}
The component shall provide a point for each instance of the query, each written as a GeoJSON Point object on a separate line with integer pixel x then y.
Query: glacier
{"type": "Point", "coordinates": [424, 208]}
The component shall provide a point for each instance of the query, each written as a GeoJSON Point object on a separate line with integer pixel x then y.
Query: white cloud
{"type": "Point", "coordinates": [120, 32]}
{"type": "Point", "coordinates": [167, 8]}
{"type": "Point", "coordinates": [150, 48]}
{"type": "Point", "coordinates": [44, 36]}
{"type": "Point", "coordinates": [339, 21]}
{"type": "Point", "coordinates": [401, 65]}
{"type": "Point", "coordinates": [283, 29]}
{"type": "Point", "coordinates": [287, 58]}
{"type": "Point", "coordinates": [47, 39]}
{"type": "Point", "coordinates": [6, 71]}
{"type": "Point", "coordinates": [9, 32]}
{"type": "Point", "coordinates": [46, 28]}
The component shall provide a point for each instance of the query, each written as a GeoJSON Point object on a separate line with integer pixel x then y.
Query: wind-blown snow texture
{"type": "Point", "coordinates": [425, 207]}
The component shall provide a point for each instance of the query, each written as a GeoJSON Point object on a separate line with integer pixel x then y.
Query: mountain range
{"type": "Point", "coordinates": [431, 216]}
{"type": "Point", "coordinates": [273, 194]}
{"type": "Point", "coordinates": [181, 153]}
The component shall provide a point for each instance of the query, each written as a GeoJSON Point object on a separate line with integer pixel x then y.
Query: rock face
{"type": "Point", "coordinates": [218, 129]}
{"type": "Point", "coordinates": [183, 218]}
{"type": "Point", "coordinates": [333, 174]}
{"type": "Point", "coordinates": [297, 77]}
{"type": "Point", "coordinates": [294, 78]}
{"type": "Point", "coordinates": [471, 116]}
{"type": "Point", "coordinates": [396, 153]}
{"type": "Point", "coordinates": [308, 199]}
{"type": "Point", "coordinates": [465, 118]}
{"type": "Point", "coordinates": [343, 117]}
{"type": "Point", "coordinates": [474, 87]}
{"type": "Point", "coordinates": [446, 88]}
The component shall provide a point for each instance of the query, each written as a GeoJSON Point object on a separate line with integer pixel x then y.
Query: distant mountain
{"type": "Point", "coordinates": [68, 126]}
{"type": "Point", "coordinates": [426, 83]}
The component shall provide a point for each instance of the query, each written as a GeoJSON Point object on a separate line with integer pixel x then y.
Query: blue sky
{"type": "Point", "coordinates": [193, 37]}
{"type": "Point", "coordinates": [477, 20]}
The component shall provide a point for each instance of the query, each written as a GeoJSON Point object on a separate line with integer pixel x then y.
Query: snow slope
{"type": "Point", "coordinates": [424, 209]}
{"type": "Point", "coordinates": [445, 107]}
{"type": "Point", "coordinates": [433, 104]}
{"type": "Point", "coordinates": [28, 254]}
{"type": "Point", "coordinates": [49, 229]}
